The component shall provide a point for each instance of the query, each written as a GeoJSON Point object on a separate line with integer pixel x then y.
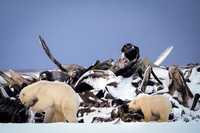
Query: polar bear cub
{"type": "Point", "coordinates": [152, 106]}
{"type": "Point", "coordinates": [57, 99]}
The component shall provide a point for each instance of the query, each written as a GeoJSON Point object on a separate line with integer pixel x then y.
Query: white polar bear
{"type": "Point", "coordinates": [153, 107]}
{"type": "Point", "coordinates": [57, 99]}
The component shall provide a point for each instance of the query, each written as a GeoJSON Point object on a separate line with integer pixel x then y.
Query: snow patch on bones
{"type": "Point", "coordinates": [194, 85]}
{"type": "Point", "coordinates": [124, 90]}
{"type": "Point", "coordinates": [163, 76]}
{"type": "Point", "coordinates": [98, 79]}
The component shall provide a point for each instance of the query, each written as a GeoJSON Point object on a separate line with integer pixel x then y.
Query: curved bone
{"type": "Point", "coordinates": [51, 57]}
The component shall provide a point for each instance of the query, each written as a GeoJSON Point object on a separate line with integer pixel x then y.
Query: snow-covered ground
{"type": "Point", "coordinates": [138, 127]}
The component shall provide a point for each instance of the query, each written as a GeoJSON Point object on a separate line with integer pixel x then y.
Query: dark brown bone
{"type": "Point", "coordinates": [146, 79]}
{"type": "Point", "coordinates": [178, 83]}
{"type": "Point", "coordinates": [72, 70]}
{"type": "Point", "coordinates": [51, 57]}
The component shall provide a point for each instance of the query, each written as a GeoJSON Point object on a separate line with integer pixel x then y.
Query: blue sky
{"type": "Point", "coordinates": [81, 32]}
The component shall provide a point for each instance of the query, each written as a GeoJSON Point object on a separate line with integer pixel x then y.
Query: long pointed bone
{"type": "Point", "coordinates": [51, 57]}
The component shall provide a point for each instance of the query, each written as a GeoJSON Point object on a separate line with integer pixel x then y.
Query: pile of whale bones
{"type": "Point", "coordinates": [106, 86]}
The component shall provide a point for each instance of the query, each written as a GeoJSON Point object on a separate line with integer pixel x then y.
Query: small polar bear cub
{"type": "Point", "coordinates": [152, 106]}
{"type": "Point", "coordinates": [57, 99]}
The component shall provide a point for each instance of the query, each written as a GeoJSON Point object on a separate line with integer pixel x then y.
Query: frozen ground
{"type": "Point", "coordinates": [178, 127]}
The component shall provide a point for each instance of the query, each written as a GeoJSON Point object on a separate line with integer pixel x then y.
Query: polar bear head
{"type": "Point", "coordinates": [28, 96]}
{"type": "Point", "coordinates": [133, 105]}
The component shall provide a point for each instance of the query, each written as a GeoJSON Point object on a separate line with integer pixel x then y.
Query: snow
{"type": "Point", "coordinates": [98, 83]}
{"type": "Point", "coordinates": [195, 78]}
{"type": "Point", "coordinates": [163, 75]}
{"type": "Point", "coordinates": [139, 127]}
{"type": "Point", "coordinates": [124, 90]}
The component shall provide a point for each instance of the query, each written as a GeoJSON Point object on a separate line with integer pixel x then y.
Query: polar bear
{"type": "Point", "coordinates": [153, 107]}
{"type": "Point", "coordinates": [57, 99]}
